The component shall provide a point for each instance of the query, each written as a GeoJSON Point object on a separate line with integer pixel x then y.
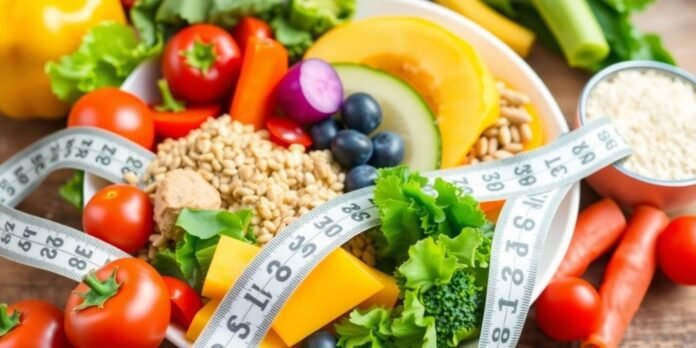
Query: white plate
{"type": "Point", "coordinates": [504, 64]}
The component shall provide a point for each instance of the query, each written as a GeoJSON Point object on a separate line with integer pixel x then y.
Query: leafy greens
{"type": "Point", "coordinates": [443, 284]}
{"type": "Point", "coordinates": [409, 213]}
{"type": "Point", "coordinates": [109, 52]}
{"type": "Point", "coordinates": [625, 41]}
{"type": "Point", "coordinates": [296, 23]}
{"type": "Point", "coordinates": [192, 255]}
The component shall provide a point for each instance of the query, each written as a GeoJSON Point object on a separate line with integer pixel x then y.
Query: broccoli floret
{"type": "Point", "coordinates": [457, 308]}
{"type": "Point", "coordinates": [318, 16]}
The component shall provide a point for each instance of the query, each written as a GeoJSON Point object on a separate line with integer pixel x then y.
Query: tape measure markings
{"type": "Point", "coordinates": [89, 149]}
{"type": "Point", "coordinates": [570, 153]}
{"type": "Point", "coordinates": [281, 266]}
{"type": "Point", "coordinates": [511, 247]}
{"type": "Point", "coordinates": [235, 323]}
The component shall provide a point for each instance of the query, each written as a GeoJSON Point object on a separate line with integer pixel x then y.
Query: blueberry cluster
{"type": "Point", "coordinates": [350, 143]}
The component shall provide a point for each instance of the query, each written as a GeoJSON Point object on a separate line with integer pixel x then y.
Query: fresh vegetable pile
{"type": "Point", "coordinates": [570, 309]}
{"type": "Point", "coordinates": [295, 136]}
{"type": "Point", "coordinates": [591, 34]}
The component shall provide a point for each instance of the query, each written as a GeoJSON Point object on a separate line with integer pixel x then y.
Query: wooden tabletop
{"type": "Point", "coordinates": [667, 317]}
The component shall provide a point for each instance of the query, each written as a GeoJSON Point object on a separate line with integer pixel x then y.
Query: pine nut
{"type": "Point", "coordinates": [504, 136]}
{"type": "Point", "coordinates": [501, 154]}
{"type": "Point", "coordinates": [492, 146]}
{"type": "Point", "coordinates": [526, 132]}
{"type": "Point", "coordinates": [514, 134]}
{"type": "Point", "coordinates": [482, 146]}
{"type": "Point", "coordinates": [515, 115]}
{"type": "Point", "coordinates": [514, 148]}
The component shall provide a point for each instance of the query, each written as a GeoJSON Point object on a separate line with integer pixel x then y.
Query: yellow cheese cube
{"type": "Point", "coordinates": [338, 284]}
{"type": "Point", "coordinates": [387, 296]}
{"type": "Point", "coordinates": [203, 316]}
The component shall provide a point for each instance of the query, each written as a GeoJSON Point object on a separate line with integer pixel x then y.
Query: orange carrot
{"type": "Point", "coordinates": [598, 228]}
{"type": "Point", "coordinates": [264, 65]}
{"type": "Point", "coordinates": [628, 276]}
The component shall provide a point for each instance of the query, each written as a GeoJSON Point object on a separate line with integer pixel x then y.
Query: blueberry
{"type": "Point", "coordinates": [320, 339]}
{"type": "Point", "coordinates": [388, 150]}
{"type": "Point", "coordinates": [351, 148]}
{"type": "Point", "coordinates": [361, 112]}
{"type": "Point", "coordinates": [323, 132]}
{"type": "Point", "coordinates": [359, 177]}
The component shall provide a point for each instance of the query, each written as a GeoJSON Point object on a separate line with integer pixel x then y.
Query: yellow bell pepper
{"type": "Point", "coordinates": [32, 32]}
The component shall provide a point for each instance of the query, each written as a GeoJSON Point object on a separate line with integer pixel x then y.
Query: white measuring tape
{"type": "Point", "coordinates": [534, 184]}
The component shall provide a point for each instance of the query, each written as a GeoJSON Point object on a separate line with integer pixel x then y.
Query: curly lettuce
{"type": "Point", "coordinates": [109, 52]}
{"type": "Point", "coordinates": [409, 213]}
{"type": "Point", "coordinates": [443, 284]}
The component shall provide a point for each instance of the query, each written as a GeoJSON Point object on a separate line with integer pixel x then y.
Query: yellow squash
{"type": "Point", "coordinates": [514, 35]}
{"type": "Point", "coordinates": [32, 32]}
{"type": "Point", "coordinates": [443, 68]}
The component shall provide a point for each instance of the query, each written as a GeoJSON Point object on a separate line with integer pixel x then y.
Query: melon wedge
{"type": "Point", "coordinates": [445, 70]}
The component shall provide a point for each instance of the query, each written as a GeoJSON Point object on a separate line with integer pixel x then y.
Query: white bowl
{"type": "Point", "coordinates": [504, 64]}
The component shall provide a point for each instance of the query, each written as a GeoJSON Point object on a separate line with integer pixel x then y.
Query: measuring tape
{"type": "Point", "coordinates": [534, 184]}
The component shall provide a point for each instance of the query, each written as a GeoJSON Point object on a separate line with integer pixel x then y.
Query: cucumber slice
{"type": "Point", "coordinates": [405, 113]}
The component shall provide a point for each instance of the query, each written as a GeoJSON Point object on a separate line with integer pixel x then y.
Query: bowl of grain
{"type": "Point", "coordinates": [653, 106]}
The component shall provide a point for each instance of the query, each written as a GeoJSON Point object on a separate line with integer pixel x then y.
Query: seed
{"type": "Point", "coordinates": [264, 238]}
{"type": "Point", "coordinates": [501, 121]}
{"type": "Point", "coordinates": [491, 132]}
{"type": "Point", "coordinates": [130, 178]}
{"type": "Point", "coordinates": [514, 97]}
{"type": "Point", "coordinates": [474, 161]}
{"type": "Point", "coordinates": [514, 134]}
{"type": "Point", "coordinates": [504, 136]}
{"type": "Point", "coordinates": [492, 146]}
{"type": "Point", "coordinates": [514, 148]}
{"type": "Point", "coordinates": [526, 132]}
{"type": "Point", "coordinates": [501, 154]}
{"type": "Point", "coordinates": [482, 146]}
{"type": "Point", "coordinates": [515, 115]}
{"type": "Point", "coordinates": [487, 158]}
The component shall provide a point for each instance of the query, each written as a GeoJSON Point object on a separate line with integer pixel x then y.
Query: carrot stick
{"type": "Point", "coordinates": [264, 65]}
{"type": "Point", "coordinates": [628, 276]}
{"type": "Point", "coordinates": [598, 228]}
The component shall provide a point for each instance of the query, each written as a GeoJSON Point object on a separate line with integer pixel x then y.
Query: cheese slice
{"type": "Point", "coordinates": [203, 316]}
{"type": "Point", "coordinates": [338, 284]}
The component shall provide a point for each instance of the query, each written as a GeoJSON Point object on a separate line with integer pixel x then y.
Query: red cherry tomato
{"type": "Point", "coordinates": [120, 215]}
{"type": "Point", "coordinates": [185, 301]}
{"type": "Point", "coordinates": [201, 63]}
{"type": "Point", "coordinates": [676, 250]}
{"type": "Point", "coordinates": [249, 27]}
{"type": "Point", "coordinates": [134, 309]}
{"type": "Point", "coordinates": [36, 324]}
{"type": "Point", "coordinates": [286, 132]}
{"type": "Point", "coordinates": [116, 111]}
{"type": "Point", "coordinates": [569, 309]}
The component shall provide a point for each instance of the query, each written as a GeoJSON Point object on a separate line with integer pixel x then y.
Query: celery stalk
{"type": "Point", "coordinates": [576, 29]}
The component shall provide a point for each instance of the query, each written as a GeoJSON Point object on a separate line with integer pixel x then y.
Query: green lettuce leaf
{"type": "Point", "coordinates": [109, 52]}
{"type": "Point", "coordinates": [464, 247]}
{"type": "Point", "coordinates": [461, 210]}
{"type": "Point", "coordinates": [413, 328]}
{"type": "Point", "coordinates": [370, 328]}
{"type": "Point", "coordinates": [205, 224]}
{"type": "Point", "coordinates": [72, 191]}
{"type": "Point", "coordinates": [203, 228]}
{"type": "Point", "coordinates": [409, 213]}
{"type": "Point", "coordinates": [318, 16]}
{"type": "Point", "coordinates": [429, 264]}
{"type": "Point", "coordinates": [295, 40]}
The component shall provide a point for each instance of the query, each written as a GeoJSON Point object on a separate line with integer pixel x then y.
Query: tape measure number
{"type": "Point", "coordinates": [247, 311]}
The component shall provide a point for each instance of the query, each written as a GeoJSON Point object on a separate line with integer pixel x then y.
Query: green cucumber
{"type": "Point", "coordinates": [405, 113]}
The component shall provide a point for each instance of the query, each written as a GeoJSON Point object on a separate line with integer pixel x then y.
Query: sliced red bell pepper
{"type": "Point", "coordinates": [264, 65]}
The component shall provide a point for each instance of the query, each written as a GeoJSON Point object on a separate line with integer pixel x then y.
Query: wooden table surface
{"type": "Point", "coordinates": [667, 317]}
